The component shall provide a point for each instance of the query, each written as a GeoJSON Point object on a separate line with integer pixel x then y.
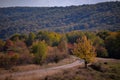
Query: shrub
{"type": "Point", "coordinates": [55, 55]}
{"type": "Point", "coordinates": [101, 52]}
{"type": "Point", "coordinates": [25, 59]}
{"type": "Point", "coordinates": [96, 66]}
{"type": "Point", "coordinates": [99, 67]}
{"type": "Point", "coordinates": [7, 61]}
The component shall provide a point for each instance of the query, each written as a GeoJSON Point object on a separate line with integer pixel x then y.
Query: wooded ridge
{"type": "Point", "coordinates": [85, 17]}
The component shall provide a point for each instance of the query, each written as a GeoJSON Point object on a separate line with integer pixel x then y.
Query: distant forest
{"type": "Point", "coordinates": [101, 16]}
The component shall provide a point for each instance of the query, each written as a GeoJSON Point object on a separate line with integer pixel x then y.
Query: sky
{"type": "Point", "coordinates": [47, 3]}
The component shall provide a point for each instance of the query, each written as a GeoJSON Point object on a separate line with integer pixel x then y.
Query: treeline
{"type": "Point", "coordinates": [106, 43]}
{"type": "Point", "coordinates": [85, 17]}
{"type": "Point", "coordinates": [45, 47]}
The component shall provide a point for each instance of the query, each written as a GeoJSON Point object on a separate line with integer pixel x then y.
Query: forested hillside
{"type": "Point", "coordinates": [85, 17]}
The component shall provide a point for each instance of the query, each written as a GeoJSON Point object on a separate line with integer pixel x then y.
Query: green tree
{"type": "Point", "coordinates": [23, 37]}
{"type": "Point", "coordinates": [15, 37]}
{"type": "Point", "coordinates": [101, 51]}
{"type": "Point", "coordinates": [74, 35]}
{"type": "Point", "coordinates": [112, 43]}
{"type": "Point", "coordinates": [103, 34]}
{"type": "Point", "coordinates": [62, 46]}
{"type": "Point", "coordinates": [40, 50]}
{"type": "Point", "coordinates": [30, 39]}
{"type": "Point", "coordinates": [51, 38]}
{"type": "Point", "coordinates": [84, 50]}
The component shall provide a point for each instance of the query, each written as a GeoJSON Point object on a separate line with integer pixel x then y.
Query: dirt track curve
{"type": "Point", "coordinates": [27, 75]}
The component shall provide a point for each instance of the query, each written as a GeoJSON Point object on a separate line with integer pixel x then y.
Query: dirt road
{"type": "Point", "coordinates": [36, 74]}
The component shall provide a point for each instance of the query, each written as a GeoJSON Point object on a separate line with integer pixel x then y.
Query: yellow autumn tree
{"type": "Point", "coordinates": [84, 50]}
{"type": "Point", "coordinates": [40, 50]}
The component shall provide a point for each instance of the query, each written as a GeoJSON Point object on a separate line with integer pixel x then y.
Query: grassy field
{"type": "Point", "coordinates": [103, 69]}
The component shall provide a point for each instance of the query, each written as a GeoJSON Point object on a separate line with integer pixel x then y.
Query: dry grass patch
{"type": "Point", "coordinates": [35, 67]}
{"type": "Point", "coordinates": [107, 69]}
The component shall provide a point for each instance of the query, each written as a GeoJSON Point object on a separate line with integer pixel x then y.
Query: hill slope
{"type": "Point", "coordinates": [91, 17]}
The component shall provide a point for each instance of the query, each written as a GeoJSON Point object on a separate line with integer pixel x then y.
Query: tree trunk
{"type": "Point", "coordinates": [86, 64]}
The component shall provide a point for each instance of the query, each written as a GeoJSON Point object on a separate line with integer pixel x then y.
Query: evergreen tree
{"type": "Point", "coordinates": [30, 39]}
